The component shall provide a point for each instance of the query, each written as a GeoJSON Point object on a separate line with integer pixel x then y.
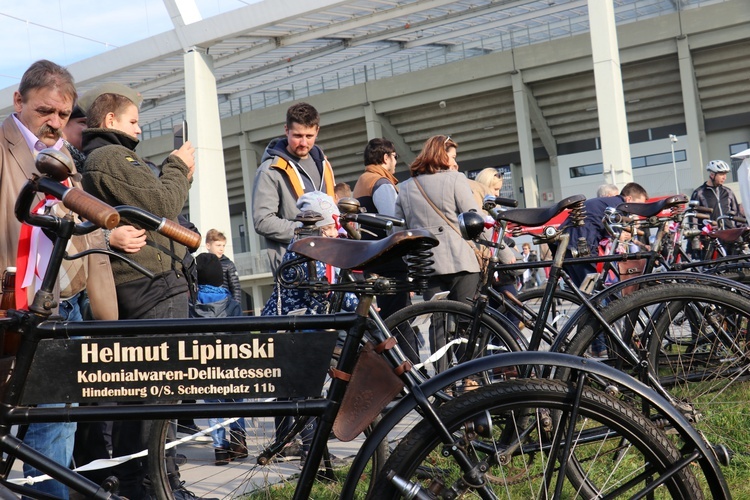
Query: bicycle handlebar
{"type": "Point", "coordinates": [103, 215]}
{"type": "Point", "coordinates": [735, 218]}
{"type": "Point", "coordinates": [82, 203]}
{"type": "Point", "coordinates": [395, 220]}
{"type": "Point", "coordinates": [371, 220]}
{"type": "Point", "coordinates": [506, 202]}
{"type": "Point", "coordinates": [162, 225]}
{"type": "Point", "coordinates": [704, 210]}
{"type": "Point", "coordinates": [489, 202]}
{"type": "Point", "coordinates": [174, 231]}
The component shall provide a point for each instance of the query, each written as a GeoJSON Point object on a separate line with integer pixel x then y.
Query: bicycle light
{"type": "Point", "coordinates": [471, 224]}
{"type": "Point", "coordinates": [55, 164]}
{"type": "Point", "coordinates": [348, 205]}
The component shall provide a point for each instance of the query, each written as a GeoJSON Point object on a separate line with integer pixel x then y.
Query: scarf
{"type": "Point", "coordinates": [372, 174]}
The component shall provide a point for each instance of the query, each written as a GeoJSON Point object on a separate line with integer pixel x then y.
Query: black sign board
{"type": "Point", "coordinates": [175, 367]}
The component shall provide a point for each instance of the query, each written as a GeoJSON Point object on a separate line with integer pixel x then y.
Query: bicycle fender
{"type": "Point", "coordinates": [718, 487]}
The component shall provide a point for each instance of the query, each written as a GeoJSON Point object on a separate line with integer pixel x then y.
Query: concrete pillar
{"type": "Point", "coordinates": [372, 122]}
{"type": "Point", "coordinates": [525, 141]}
{"type": "Point", "coordinates": [555, 174]}
{"type": "Point", "coordinates": [696, 143]}
{"type": "Point", "coordinates": [209, 202]}
{"type": "Point", "coordinates": [610, 100]}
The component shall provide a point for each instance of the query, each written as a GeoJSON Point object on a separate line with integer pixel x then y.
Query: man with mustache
{"type": "Point", "coordinates": [290, 167]}
{"type": "Point", "coordinates": [43, 104]}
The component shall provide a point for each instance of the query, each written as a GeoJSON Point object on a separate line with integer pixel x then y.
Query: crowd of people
{"type": "Point", "coordinates": [99, 131]}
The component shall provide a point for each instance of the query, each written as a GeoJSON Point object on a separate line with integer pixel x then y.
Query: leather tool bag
{"type": "Point", "coordinates": [630, 269]}
{"type": "Point", "coordinates": [372, 385]}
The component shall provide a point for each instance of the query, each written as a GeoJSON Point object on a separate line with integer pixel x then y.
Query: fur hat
{"type": "Point", "coordinates": [318, 201]}
{"type": "Point", "coordinates": [87, 99]}
{"type": "Point", "coordinates": [210, 271]}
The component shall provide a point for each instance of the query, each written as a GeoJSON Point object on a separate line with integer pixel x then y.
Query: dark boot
{"type": "Point", "coordinates": [222, 456]}
{"type": "Point", "coordinates": [237, 444]}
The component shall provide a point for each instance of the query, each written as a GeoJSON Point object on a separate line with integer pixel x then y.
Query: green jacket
{"type": "Point", "coordinates": [115, 174]}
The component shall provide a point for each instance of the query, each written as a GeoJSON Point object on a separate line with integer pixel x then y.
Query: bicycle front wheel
{"type": "Point", "coordinates": [191, 466]}
{"type": "Point", "coordinates": [564, 305]}
{"type": "Point", "coordinates": [532, 439]}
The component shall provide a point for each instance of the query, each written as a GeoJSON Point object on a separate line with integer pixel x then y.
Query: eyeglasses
{"type": "Point", "coordinates": [395, 155]}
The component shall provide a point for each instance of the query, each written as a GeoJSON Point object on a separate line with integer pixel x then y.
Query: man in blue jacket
{"type": "Point", "coordinates": [593, 229]}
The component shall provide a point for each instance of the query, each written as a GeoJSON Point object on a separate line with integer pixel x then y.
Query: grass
{"type": "Point", "coordinates": [323, 489]}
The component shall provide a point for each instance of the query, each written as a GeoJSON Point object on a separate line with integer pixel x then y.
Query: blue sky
{"type": "Point", "coordinates": [34, 29]}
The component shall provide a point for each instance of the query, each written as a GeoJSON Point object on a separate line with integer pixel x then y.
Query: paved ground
{"type": "Point", "coordinates": [230, 481]}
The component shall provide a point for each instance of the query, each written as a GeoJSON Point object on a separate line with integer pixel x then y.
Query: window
{"type": "Point", "coordinates": [637, 162]}
{"type": "Point", "coordinates": [586, 170]}
{"type": "Point", "coordinates": [658, 159]}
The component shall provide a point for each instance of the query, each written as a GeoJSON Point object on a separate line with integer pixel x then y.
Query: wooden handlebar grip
{"type": "Point", "coordinates": [91, 208]}
{"type": "Point", "coordinates": [176, 232]}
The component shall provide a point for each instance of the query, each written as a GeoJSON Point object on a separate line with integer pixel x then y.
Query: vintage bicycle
{"type": "Point", "coordinates": [558, 438]}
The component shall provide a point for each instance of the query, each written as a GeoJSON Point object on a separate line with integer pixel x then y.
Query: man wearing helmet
{"type": "Point", "coordinates": [714, 194]}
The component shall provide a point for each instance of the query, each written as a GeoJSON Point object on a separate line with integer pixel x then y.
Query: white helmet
{"type": "Point", "coordinates": [717, 166]}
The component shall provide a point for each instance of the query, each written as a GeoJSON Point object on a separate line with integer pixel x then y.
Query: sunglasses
{"type": "Point", "coordinates": [395, 155]}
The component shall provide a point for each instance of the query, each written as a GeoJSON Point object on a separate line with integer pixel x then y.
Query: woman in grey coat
{"type": "Point", "coordinates": [446, 190]}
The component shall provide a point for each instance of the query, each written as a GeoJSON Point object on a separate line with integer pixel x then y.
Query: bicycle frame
{"type": "Point", "coordinates": [13, 413]}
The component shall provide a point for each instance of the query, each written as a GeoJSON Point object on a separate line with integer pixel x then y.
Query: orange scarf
{"type": "Point", "coordinates": [373, 173]}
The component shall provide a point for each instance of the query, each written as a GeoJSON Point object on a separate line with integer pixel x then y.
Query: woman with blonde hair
{"type": "Point", "coordinates": [491, 178]}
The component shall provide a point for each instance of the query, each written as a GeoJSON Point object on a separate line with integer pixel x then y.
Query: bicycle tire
{"type": "Point", "coordinates": [512, 408]}
{"type": "Point", "coordinates": [197, 472]}
{"type": "Point", "coordinates": [498, 339]}
{"type": "Point", "coordinates": [696, 341]}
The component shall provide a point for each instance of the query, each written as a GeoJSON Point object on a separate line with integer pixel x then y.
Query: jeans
{"type": "Point", "coordinates": [54, 440]}
{"type": "Point", "coordinates": [220, 435]}
{"type": "Point", "coordinates": [70, 309]}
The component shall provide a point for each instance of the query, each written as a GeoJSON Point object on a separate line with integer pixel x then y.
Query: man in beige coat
{"type": "Point", "coordinates": [43, 104]}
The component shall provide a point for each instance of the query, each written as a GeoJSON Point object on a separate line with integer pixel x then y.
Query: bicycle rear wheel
{"type": "Point", "coordinates": [520, 435]}
{"type": "Point", "coordinates": [694, 341]}
{"type": "Point", "coordinates": [464, 337]}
